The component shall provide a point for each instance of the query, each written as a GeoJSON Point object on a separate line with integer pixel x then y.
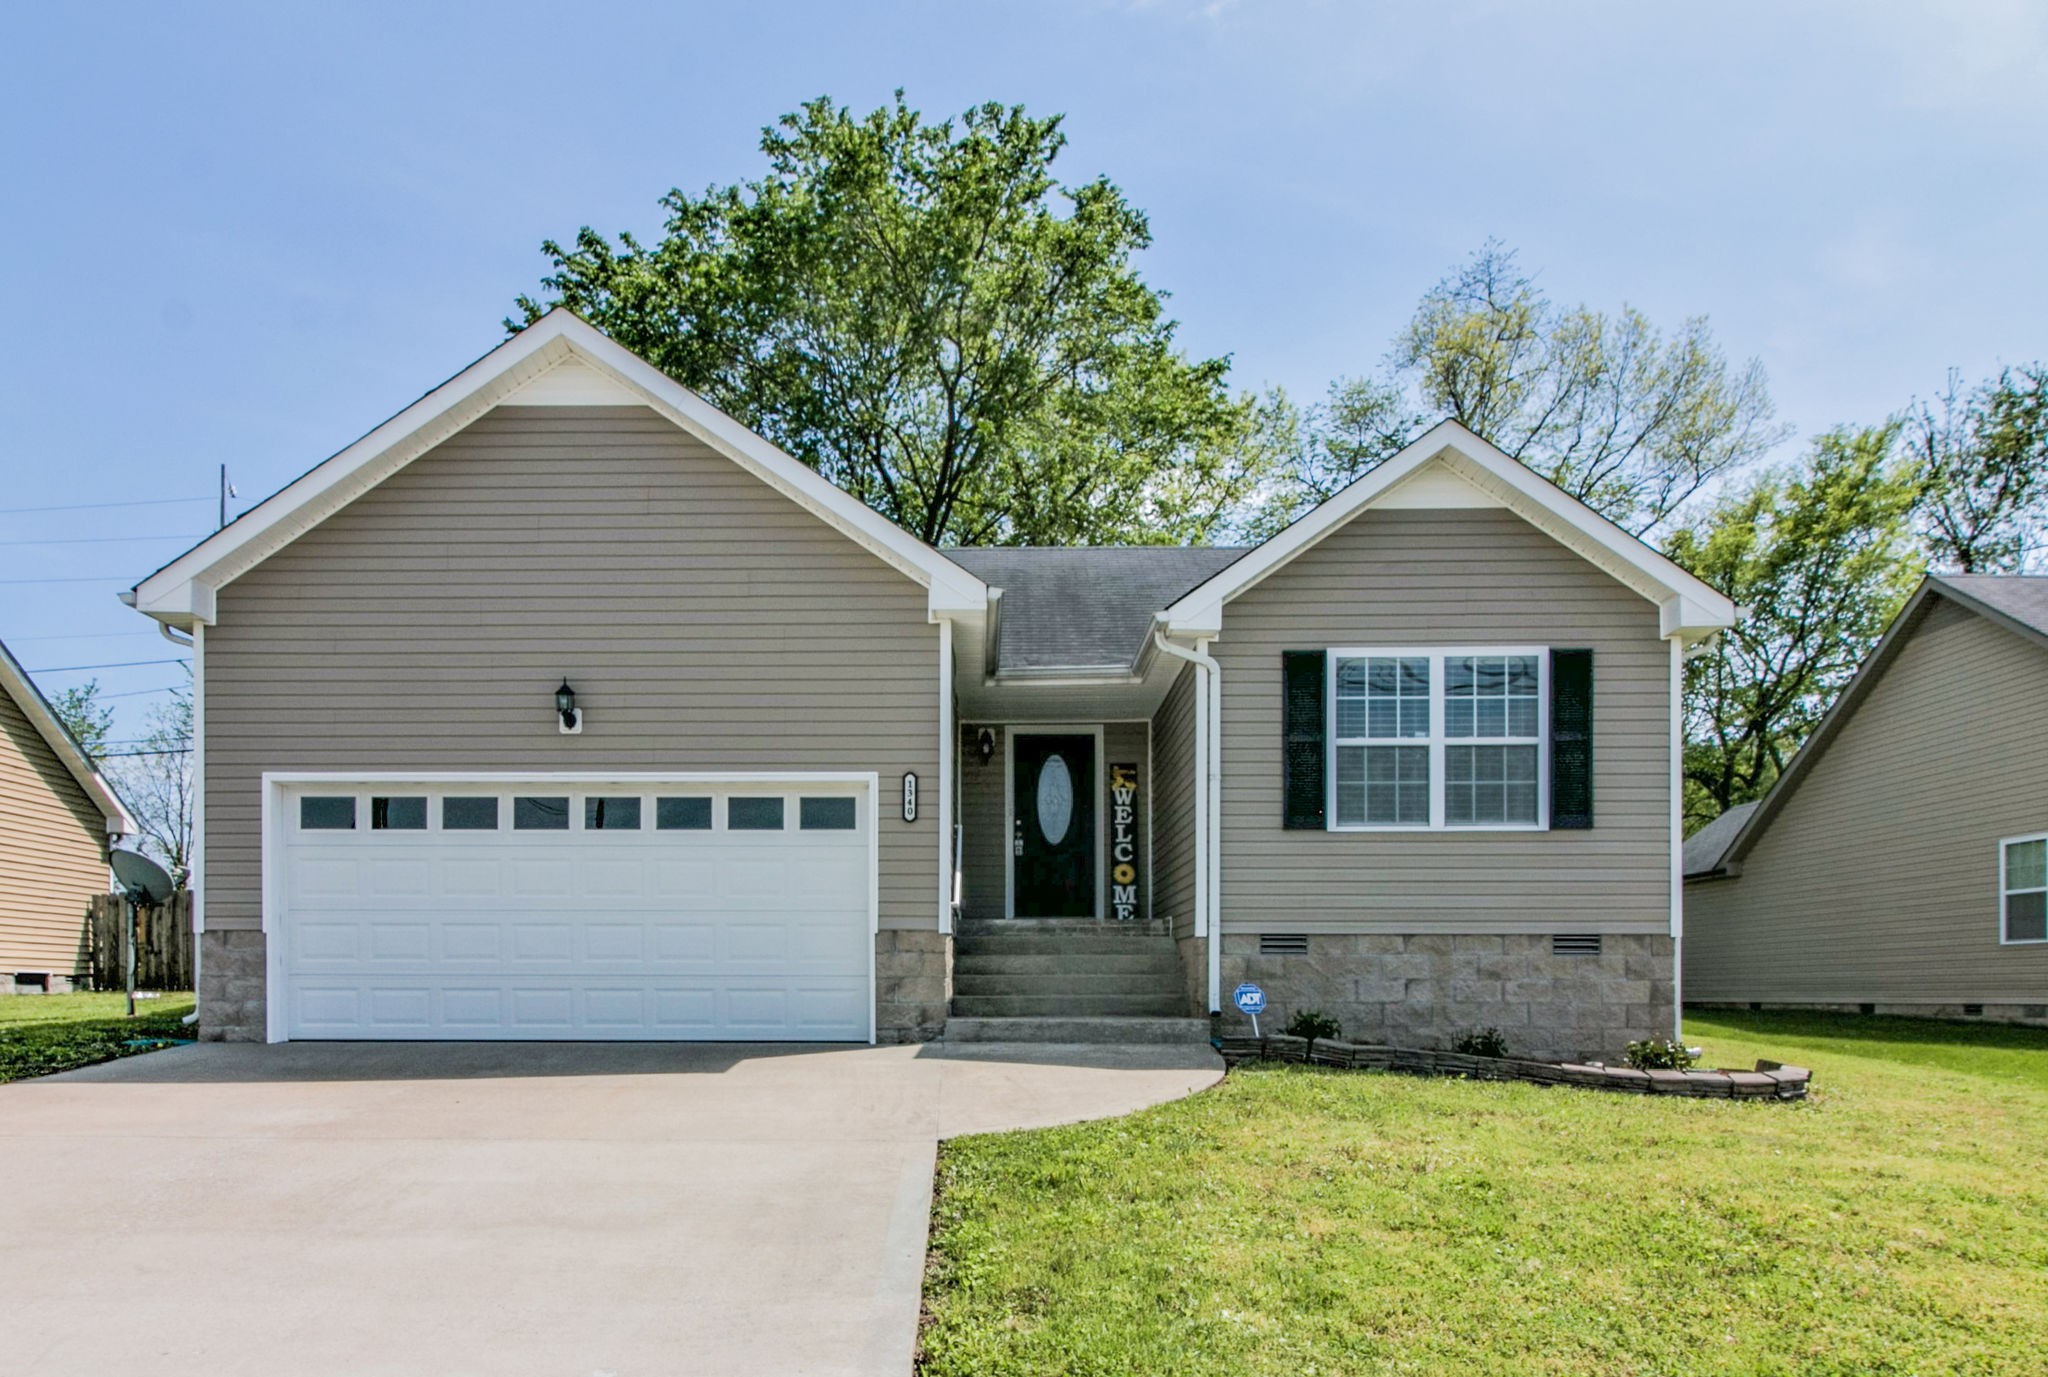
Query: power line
{"type": "Point", "coordinates": [104, 540]}
{"type": "Point", "coordinates": [87, 636]}
{"type": "Point", "coordinates": [138, 693]}
{"type": "Point", "coordinates": [116, 664]}
{"type": "Point", "coordinates": [125, 755]}
{"type": "Point", "coordinates": [102, 506]}
{"type": "Point", "coordinates": [99, 578]}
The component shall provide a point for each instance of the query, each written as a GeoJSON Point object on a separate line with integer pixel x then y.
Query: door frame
{"type": "Point", "coordinates": [1010, 734]}
{"type": "Point", "coordinates": [275, 819]}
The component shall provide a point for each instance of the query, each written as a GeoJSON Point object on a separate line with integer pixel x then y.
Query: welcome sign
{"type": "Point", "coordinates": [1123, 842]}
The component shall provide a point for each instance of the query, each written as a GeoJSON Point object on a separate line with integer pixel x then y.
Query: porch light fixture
{"type": "Point", "coordinates": [565, 706]}
{"type": "Point", "coordinates": [986, 744]}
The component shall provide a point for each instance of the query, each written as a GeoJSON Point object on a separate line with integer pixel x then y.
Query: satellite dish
{"type": "Point", "coordinates": [144, 881]}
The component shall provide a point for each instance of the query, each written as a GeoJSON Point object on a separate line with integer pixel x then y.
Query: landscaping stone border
{"type": "Point", "coordinates": [1769, 1081]}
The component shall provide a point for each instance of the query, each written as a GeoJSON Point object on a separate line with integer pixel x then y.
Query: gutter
{"type": "Point", "coordinates": [1208, 804]}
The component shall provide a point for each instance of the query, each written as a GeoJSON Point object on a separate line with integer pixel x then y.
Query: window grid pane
{"type": "Point", "coordinates": [2026, 916]}
{"type": "Point", "coordinates": [1490, 696]}
{"type": "Point", "coordinates": [1489, 784]}
{"type": "Point", "coordinates": [2026, 865]}
{"type": "Point", "coordinates": [1383, 697]}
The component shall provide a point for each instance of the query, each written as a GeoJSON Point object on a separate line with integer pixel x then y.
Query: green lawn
{"type": "Point", "coordinates": [1296, 1221]}
{"type": "Point", "coordinates": [40, 1034]}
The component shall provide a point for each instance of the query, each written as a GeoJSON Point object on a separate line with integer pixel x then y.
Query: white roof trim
{"type": "Point", "coordinates": [1687, 607]}
{"type": "Point", "coordinates": [182, 592]}
{"type": "Point", "coordinates": [14, 681]}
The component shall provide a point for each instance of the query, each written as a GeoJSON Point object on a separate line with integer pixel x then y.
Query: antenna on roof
{"type": "Point", "coordinates": [227, 490]}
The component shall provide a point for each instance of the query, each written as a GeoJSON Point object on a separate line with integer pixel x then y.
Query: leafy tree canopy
{"type": "Point", "coordinates": [1821, 555]}
{"type": "Point", "coordinates": [923, 313]}
{"type": "Point", "coordinates": [1984, 457]}
{"type": "Point", "coordinates": [89, 721]}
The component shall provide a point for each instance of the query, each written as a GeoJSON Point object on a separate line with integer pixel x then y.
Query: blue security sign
{"type": "Point", "coordinates": [1250, 999]}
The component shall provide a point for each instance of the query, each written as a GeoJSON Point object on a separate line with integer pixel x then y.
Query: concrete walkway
{"type": "Point", "coordinates": [503, 1209]}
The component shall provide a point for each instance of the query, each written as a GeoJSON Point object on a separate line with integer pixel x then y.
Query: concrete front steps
{"type": "Point", "coordinates": [1068, 981]}
{"type": "Point", "coordinates": [1114, 1031]}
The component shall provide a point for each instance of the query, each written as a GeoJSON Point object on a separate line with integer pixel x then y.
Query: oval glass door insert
{"type": "Point", "coordinates": [1055, 799]}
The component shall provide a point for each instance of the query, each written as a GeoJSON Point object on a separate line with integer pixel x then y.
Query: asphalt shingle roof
{"type": "Point", "coordinates": [1705, 848]}
{"type": "Point", "coordinates": [2023, 597]}
{"type": "Point", "coordinates": [1089, 607]}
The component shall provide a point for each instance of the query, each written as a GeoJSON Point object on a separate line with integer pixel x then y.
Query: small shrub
{"type": "Point", "coordinates": [1312, 1024]}
{"type": "Point", "coordinates": [1661, 1054]}
{"type": "Point", "coordinates": [1482, 1042]}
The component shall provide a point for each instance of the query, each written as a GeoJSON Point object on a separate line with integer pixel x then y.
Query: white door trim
{"type": "Point", "coordinates": [275, 782]}
{"type": "Point", "coordinates": [1010, 734]}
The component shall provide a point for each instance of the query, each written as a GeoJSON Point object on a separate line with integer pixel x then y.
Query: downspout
{"type": "Point", "coordinates": [1678, 659]}
{"type": "Point", "coordinates": [1208, 804]}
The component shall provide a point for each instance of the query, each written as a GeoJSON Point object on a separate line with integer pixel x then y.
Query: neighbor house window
{"type": "Point", "coordinates": [2023, 887]}
{"type": "Point", "coordinates": [1437, 738]}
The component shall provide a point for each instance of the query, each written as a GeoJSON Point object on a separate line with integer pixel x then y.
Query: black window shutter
{"type": "Point", "coordinates": [1302, 728]}
{"type": "Point", "coordinates": [1571, 739]}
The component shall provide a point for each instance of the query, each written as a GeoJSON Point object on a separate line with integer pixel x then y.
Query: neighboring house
{"type": "Point", "coordinates": [57, 819]}
{"type": "Point", "coordinates": [1413, 761]}
{"type": "Point", "coordinates": [1900, 864]}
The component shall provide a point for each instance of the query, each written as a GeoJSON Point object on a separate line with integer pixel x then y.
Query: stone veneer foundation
{"type": "Point", "coordinates": [913, 982]}
{"type": "Point", "coordinates": [1428, 990]}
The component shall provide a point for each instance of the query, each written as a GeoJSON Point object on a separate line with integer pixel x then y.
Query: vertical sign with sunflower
{"type": "Point", "coordinates": [1123, 842]}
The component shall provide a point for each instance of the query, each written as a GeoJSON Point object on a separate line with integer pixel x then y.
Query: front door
{"type": "Point", "coordinates": [1052, 828]}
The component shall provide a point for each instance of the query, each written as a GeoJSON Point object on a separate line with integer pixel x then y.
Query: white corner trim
{"type": "Point", "coordinates": [181, 593]}
{"type": "Point", "coordinates": [1677, 838]}
{"type": "Point", "coordinates": [196, 881]}
{"type": "Point", "coordinates": [1466, 458]}
{"type": "Point", "coordinates": [948, 740]}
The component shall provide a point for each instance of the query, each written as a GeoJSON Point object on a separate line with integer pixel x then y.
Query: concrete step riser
{"type": "Point", "coordinates": [973, 983]}
{"type": "Point", "coordinates": [1097, 1030]}
{"type": "Point", "coordinates": [1067, 1006]}
{"type": "Point", "coordinates": [1069, 964]}
{"type": "Point", "coordinates": [1041, 946]}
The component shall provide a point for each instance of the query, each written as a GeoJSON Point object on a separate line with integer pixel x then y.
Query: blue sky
{"type": "Point", "coordinates": [245, 235]}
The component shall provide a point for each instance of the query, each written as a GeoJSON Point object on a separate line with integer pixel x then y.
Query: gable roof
{"type": "Point", "coordinates": [1436, 469]}
{"type": "Point", "coordinates": [16, 684]}
{"type": "Point", "coordinates": [2016, 602]}
{"type": "Point", "coordinates": [182, 592]}
{"type": "Point", "coordinates": [1084, 609]}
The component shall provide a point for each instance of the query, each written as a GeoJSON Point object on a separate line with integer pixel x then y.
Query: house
{"type": "Point", "coordinates": [562, 706]}
{"type": "Point", "coordinates": [57, 819]}
{"type": "Point", "coordinates": [1900, 863]}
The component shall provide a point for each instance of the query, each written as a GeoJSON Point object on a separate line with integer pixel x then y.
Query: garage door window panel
{"type": "Point", "coordinates": [827, 815]}
{"type": "Point", "coordinates": [611, 813]}
{"type": "Point", "coordinates": [540, 813]}
{"type": "Point", "coordinates": [398, 814]}
{"type": "Point", "coordinates": [327, 813]}
{"type": "Point", "coordinates": [683, 814]}
{"type": "Point", "coordinates": [753, 814]}
{"type": "Point", "coordinates": [469, 813]}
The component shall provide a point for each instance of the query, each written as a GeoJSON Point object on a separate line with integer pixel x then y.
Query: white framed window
{"type": "Point", "coordinates": [1445, 738]}
{"type": "Point", "coordinates": [2023, 889]}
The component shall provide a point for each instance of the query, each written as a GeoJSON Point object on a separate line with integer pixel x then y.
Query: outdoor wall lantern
{"type": "Point", "coordinates": [986, 744]}
{"type": "Point", "coordinates": [565, 706]}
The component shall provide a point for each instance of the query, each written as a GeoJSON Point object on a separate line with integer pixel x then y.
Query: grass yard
{"type": "Point", "coordinates": [1297, 1221]}
{"type": "Point", "coordinates": [40, 1034]}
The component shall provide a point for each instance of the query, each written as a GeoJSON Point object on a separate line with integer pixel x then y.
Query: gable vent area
{"type": "Point", "coordinates": [1575, 944]}
{"type": "Point", "coordinates": [1283, 944]}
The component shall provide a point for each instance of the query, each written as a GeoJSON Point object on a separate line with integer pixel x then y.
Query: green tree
{"type": "Point", "coordinates": [159, 786]}
{"type": "Point", "coordinates": [1984, 458]}
{"type": "Point", "coordinates": [1628, 421]}
{"type": "Point", "coordinates": [925, 315]}
{"type": "Point", "coordinates": [1820, 556]}
{"type": "Point", "coordinates": [1311, 452]}
{"type": "Point", "coordinates": [89, 721]}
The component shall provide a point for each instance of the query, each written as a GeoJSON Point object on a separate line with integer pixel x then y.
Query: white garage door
{"type": "Point", "coordinates": [548, 908]}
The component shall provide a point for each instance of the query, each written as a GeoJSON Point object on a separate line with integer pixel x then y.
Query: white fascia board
{"type": "Point", "coordinates": [16, 684]}
{"type": "Point", "coordinates": [182, 591]}
{"type": "Point", "coordinates": [1535, 499]}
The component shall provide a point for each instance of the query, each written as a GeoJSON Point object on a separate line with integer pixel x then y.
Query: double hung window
{"type": "Point", "coordinates": [1438, 738]}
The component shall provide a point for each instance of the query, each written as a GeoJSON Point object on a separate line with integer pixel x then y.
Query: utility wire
{"type": "Point", "coordinates": [124, 755]}
{"type": "Point", "coordinates": [102, 506]}
{"type": "Point", "coordinates": [105, 540]}
{"type": "Point", "coordinates": [100, 578]}
{"type": "Point", "coordinates": [117, 664]}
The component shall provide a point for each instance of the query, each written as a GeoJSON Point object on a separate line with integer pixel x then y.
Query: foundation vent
{"type": "Point", "coordinates": [1283, 944]}
{"type": "Point", "coordinates": [1575, 944]}
{"type": "Point", "coordinates": [1974, 1010]}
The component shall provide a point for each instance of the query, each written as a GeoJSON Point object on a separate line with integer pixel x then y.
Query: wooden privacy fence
{"type": "Point", "coordinates": [163, 943]}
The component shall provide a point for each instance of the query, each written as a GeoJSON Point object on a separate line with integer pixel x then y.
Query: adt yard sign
{"type": "Point", "coordinates": [1251, 1002]}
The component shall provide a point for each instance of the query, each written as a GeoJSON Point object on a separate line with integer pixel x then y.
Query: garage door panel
{"type": "Point", "coordinates": [619, 933]}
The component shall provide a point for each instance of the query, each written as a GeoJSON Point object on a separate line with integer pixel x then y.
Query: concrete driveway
{"type": "Point", "coordinates": [505, 1209]}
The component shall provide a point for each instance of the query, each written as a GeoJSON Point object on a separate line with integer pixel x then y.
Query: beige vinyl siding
{"type": "Point", "coordinates": [1479, 577]}
{"type": "Point", "coordinates": [706, 622]}
{"type": "Point", "coordinates": [984, 832]}
{"type": "Point", "coordinates": [53, 852]}
{"type": "Point", "coordinates": [1173, 843]}
{"type": "Point", "coordinates": [1877, 880]}
{"type": "Point", "coordinates": [985, 825]}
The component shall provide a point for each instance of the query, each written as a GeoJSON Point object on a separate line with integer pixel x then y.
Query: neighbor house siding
{"type": "Point", "coordinates": [706, 622]}
{"type": "Point", "coordinates": [1448, 578]}
{"type": "Point", "coordinates": [1877, 879]}
{"type": "Point", "coordinates": [53, 853]}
